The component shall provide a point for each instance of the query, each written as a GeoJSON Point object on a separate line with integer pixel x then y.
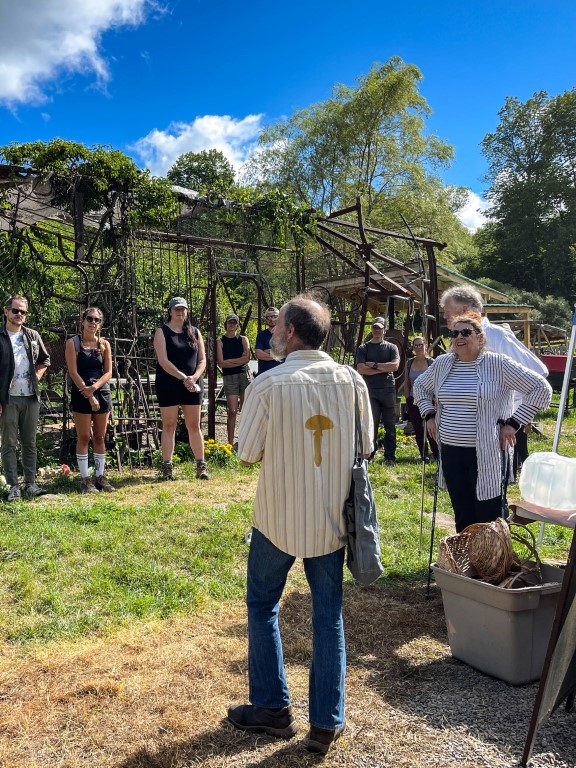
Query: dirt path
{"type": "Point", "coordinates": [155, 696]}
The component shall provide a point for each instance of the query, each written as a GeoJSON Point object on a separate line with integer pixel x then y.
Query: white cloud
{"type": "Point", "coordinates": [40, 39]}
{"type": "Point", "coordinates": [235, 138]}
{"type": "Point", "coordinates": [472, 213]}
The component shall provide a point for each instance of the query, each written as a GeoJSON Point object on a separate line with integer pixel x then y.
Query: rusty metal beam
{"type": "Point", "coordinates": [387, 232]}
{"type": "Point", "coordinates": [207, 242]}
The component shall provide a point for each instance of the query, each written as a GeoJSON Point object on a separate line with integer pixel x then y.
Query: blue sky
{"type": "Point", "coordinates": [156, 79]}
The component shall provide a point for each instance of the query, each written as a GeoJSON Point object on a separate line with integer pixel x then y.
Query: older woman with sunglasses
{"type": "Point", "coordinates": [466, 397]}
{"type": "Point", "coordinates": [89, 362]}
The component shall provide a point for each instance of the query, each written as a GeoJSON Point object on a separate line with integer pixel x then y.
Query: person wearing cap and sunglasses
{"type": "Point", "coordinates": [23, 361]}
{"type": "Point", "coordinates": [376, 362]}
{"type": "Point", "coordinates": [179, 347]}
{"type": "Point", "coordinates": [232, 355]}
{"type": "Point", "coordinates": [467, 399]}
{"type": "Point", "coordinates": [89, 363]}
{"type": "Point", "coordinates": [263, 352]}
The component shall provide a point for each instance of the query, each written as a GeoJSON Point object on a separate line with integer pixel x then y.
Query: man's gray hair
{"type": "Point", "coordinates": [463, 294]}
{"type": "Point", "coordinates": [16, 297]}
{"type": "Point", "coordinates": [310, 318]}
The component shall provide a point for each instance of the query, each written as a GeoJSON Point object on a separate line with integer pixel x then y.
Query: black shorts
{"type": "Point", "coordinates": [81, 404]}
{"type": "Point", "coordinates": [177, 394]}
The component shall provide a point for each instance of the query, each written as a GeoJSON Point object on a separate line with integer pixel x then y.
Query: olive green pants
{"type": "Point", "coordinates": [19, 419]}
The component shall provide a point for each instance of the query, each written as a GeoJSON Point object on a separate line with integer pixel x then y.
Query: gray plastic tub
{"type": "Point", "coordinates": [503, 632]}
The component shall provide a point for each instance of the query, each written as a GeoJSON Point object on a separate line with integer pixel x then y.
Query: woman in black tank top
{"type": "Point", "coordinates": [232, 355]}
{"type": "Point", "coordinates": [179, 347]}
{"type": "Point", "coordinates": [89, 362]}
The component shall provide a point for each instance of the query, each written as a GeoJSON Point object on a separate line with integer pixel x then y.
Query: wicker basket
{"type": "Point", "coordinates": [484, 551]}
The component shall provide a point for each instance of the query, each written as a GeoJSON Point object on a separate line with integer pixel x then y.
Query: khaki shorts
{"type": "Point", "coordinates": [236, 383]}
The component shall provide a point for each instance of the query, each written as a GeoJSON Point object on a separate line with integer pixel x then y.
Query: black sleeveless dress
{"type": "Point", "coordinates": [170, 390]}
{"type": "Point", "coordinates": [90, 367]}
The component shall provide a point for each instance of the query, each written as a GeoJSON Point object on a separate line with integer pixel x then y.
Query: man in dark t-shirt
{"type": "Point", "coordinates": [376, 361]}
{"type": "Point", "coordinates": [265, 360]}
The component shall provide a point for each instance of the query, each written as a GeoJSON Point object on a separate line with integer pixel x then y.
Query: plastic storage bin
{"type": "Point", "coordinates": [503, 632]}
{"type": "Point", "coordinates": [549, 480]}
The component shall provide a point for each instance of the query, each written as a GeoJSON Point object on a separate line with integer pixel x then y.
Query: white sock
{"type": "Point", "coordinates": [82, 461]}
{"type": "Point", "coordinates": [99, 463]}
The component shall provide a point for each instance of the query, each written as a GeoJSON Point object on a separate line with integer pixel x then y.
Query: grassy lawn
{"type": "Point", "coordinates": [72, 565]}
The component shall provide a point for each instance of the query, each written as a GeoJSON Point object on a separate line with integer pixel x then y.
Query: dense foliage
{"type": "Point", "coordinates": [530, 241]}
{"type": "Point", "coordinates": [367, 141]}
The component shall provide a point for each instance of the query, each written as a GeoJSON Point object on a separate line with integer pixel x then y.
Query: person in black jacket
{"type": "Point", "coordinates": [23, 361]}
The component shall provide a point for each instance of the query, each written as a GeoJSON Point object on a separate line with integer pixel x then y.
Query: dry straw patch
{"type": "Point", "coordinates": [155, 696]}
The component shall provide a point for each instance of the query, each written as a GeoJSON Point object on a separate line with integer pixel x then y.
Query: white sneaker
{"type": "Point", "coordinates": [14, 494]}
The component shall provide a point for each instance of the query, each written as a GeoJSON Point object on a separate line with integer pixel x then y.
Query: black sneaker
{"type": "Point", "coordinates": [168, 471]}
{"type": "Point", "coordinates": [320, 739]}
{"type": "Point", "coordinates": [274, 722]}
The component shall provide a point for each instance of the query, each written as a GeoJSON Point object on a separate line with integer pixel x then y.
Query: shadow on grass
{"type": "Point", "coordinates": [398, 642]}
{"type": "Point", "coordinates": [223, 743]}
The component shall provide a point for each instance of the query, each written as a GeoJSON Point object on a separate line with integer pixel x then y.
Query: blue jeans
{"type": "Point", "coordinates": [268, 569]}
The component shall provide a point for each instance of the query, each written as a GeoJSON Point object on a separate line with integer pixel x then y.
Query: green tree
{"type": "Point", "coordinates": [207, 171]}
{"type": "Point", "coordinates": [368, 141]}
{"type": "Point", "coordinates": [530, 239]}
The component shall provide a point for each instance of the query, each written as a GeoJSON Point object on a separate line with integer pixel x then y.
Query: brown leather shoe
{"type": "Point", "coordinates": [320, 739]}
{"type": "Point", "coordinates": [274, 722]}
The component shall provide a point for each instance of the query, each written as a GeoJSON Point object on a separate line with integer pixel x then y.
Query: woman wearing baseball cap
{"type": "Point", "coordinates": [179, 347]}
{"type": "Point", "coordinates": [232, 355]}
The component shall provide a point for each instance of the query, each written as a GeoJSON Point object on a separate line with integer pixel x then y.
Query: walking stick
{"type": "Point", "coordinates": [422, 499]}
{"type": "Point", "coordinates": [432, 532]}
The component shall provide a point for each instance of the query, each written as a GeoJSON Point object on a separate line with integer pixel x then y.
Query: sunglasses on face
{"type": "Point", "coordinates": [90, 319]}
{"type": "Point", "coordinates": [18, 311]}
{"type": "Point", "coordinates": [417, 346]}
{"type": "Point", "coordinates": [460, 331]}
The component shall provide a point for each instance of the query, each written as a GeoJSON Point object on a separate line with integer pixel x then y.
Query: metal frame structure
{"type": "Point", "coordinates": [131, 274]}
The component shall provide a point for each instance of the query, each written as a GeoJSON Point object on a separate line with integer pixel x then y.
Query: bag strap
{"type": "Point", "coordinates": [359, 443]}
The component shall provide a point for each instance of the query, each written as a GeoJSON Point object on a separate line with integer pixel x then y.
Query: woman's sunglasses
{"type": "Point", "coordinates": [90, 319]}
{"type": "Point", "coordinates": [460, 331]}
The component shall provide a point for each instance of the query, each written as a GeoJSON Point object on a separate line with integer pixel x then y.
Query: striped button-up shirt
{"type": "Point", "coordinates": [299, 419]}
{"type": "Point", "coordinates": [498, 378]}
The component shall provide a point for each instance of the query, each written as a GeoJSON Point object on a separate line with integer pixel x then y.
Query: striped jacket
{"type": "Point", "coordinates": [498, 378]}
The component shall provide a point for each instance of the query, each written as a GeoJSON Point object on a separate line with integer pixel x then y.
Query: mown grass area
{"type": "Point", "coordinates": [72, 565]}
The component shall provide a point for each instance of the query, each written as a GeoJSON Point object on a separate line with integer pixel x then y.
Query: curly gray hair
{"type": "Point", "coordinates": [465, 295]}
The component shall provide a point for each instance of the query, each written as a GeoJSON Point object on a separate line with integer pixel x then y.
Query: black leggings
{"type": "Point", "coordinates": [460, 469]}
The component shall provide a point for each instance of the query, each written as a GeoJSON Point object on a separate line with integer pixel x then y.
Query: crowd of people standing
{"type": "Point", "coordinates": [471, 404]}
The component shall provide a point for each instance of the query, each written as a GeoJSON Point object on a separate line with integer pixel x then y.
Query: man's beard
{"type": "Point", "coordinates": [278, 347]}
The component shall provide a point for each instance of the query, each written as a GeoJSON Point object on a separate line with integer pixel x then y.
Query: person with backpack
{"type": "Point", "coordinates": [415, 367]}
{"type": "Point", "coordinates": [89, 362]}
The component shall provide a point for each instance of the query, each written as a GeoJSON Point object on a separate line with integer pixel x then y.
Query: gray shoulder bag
{"type": "Point", "coordinates": [363, 554]}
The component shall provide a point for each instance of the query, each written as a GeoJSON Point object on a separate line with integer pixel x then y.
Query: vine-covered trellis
{"type": "Point", "coordinates": [68, 241]}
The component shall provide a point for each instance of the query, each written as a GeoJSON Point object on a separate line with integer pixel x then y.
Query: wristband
{"type": "Point", "coordinates": [430, 415]}
{"type": "Point", "coordinates": [375, 366]}
{"type": "Point", "coordinates": [513, 423]}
